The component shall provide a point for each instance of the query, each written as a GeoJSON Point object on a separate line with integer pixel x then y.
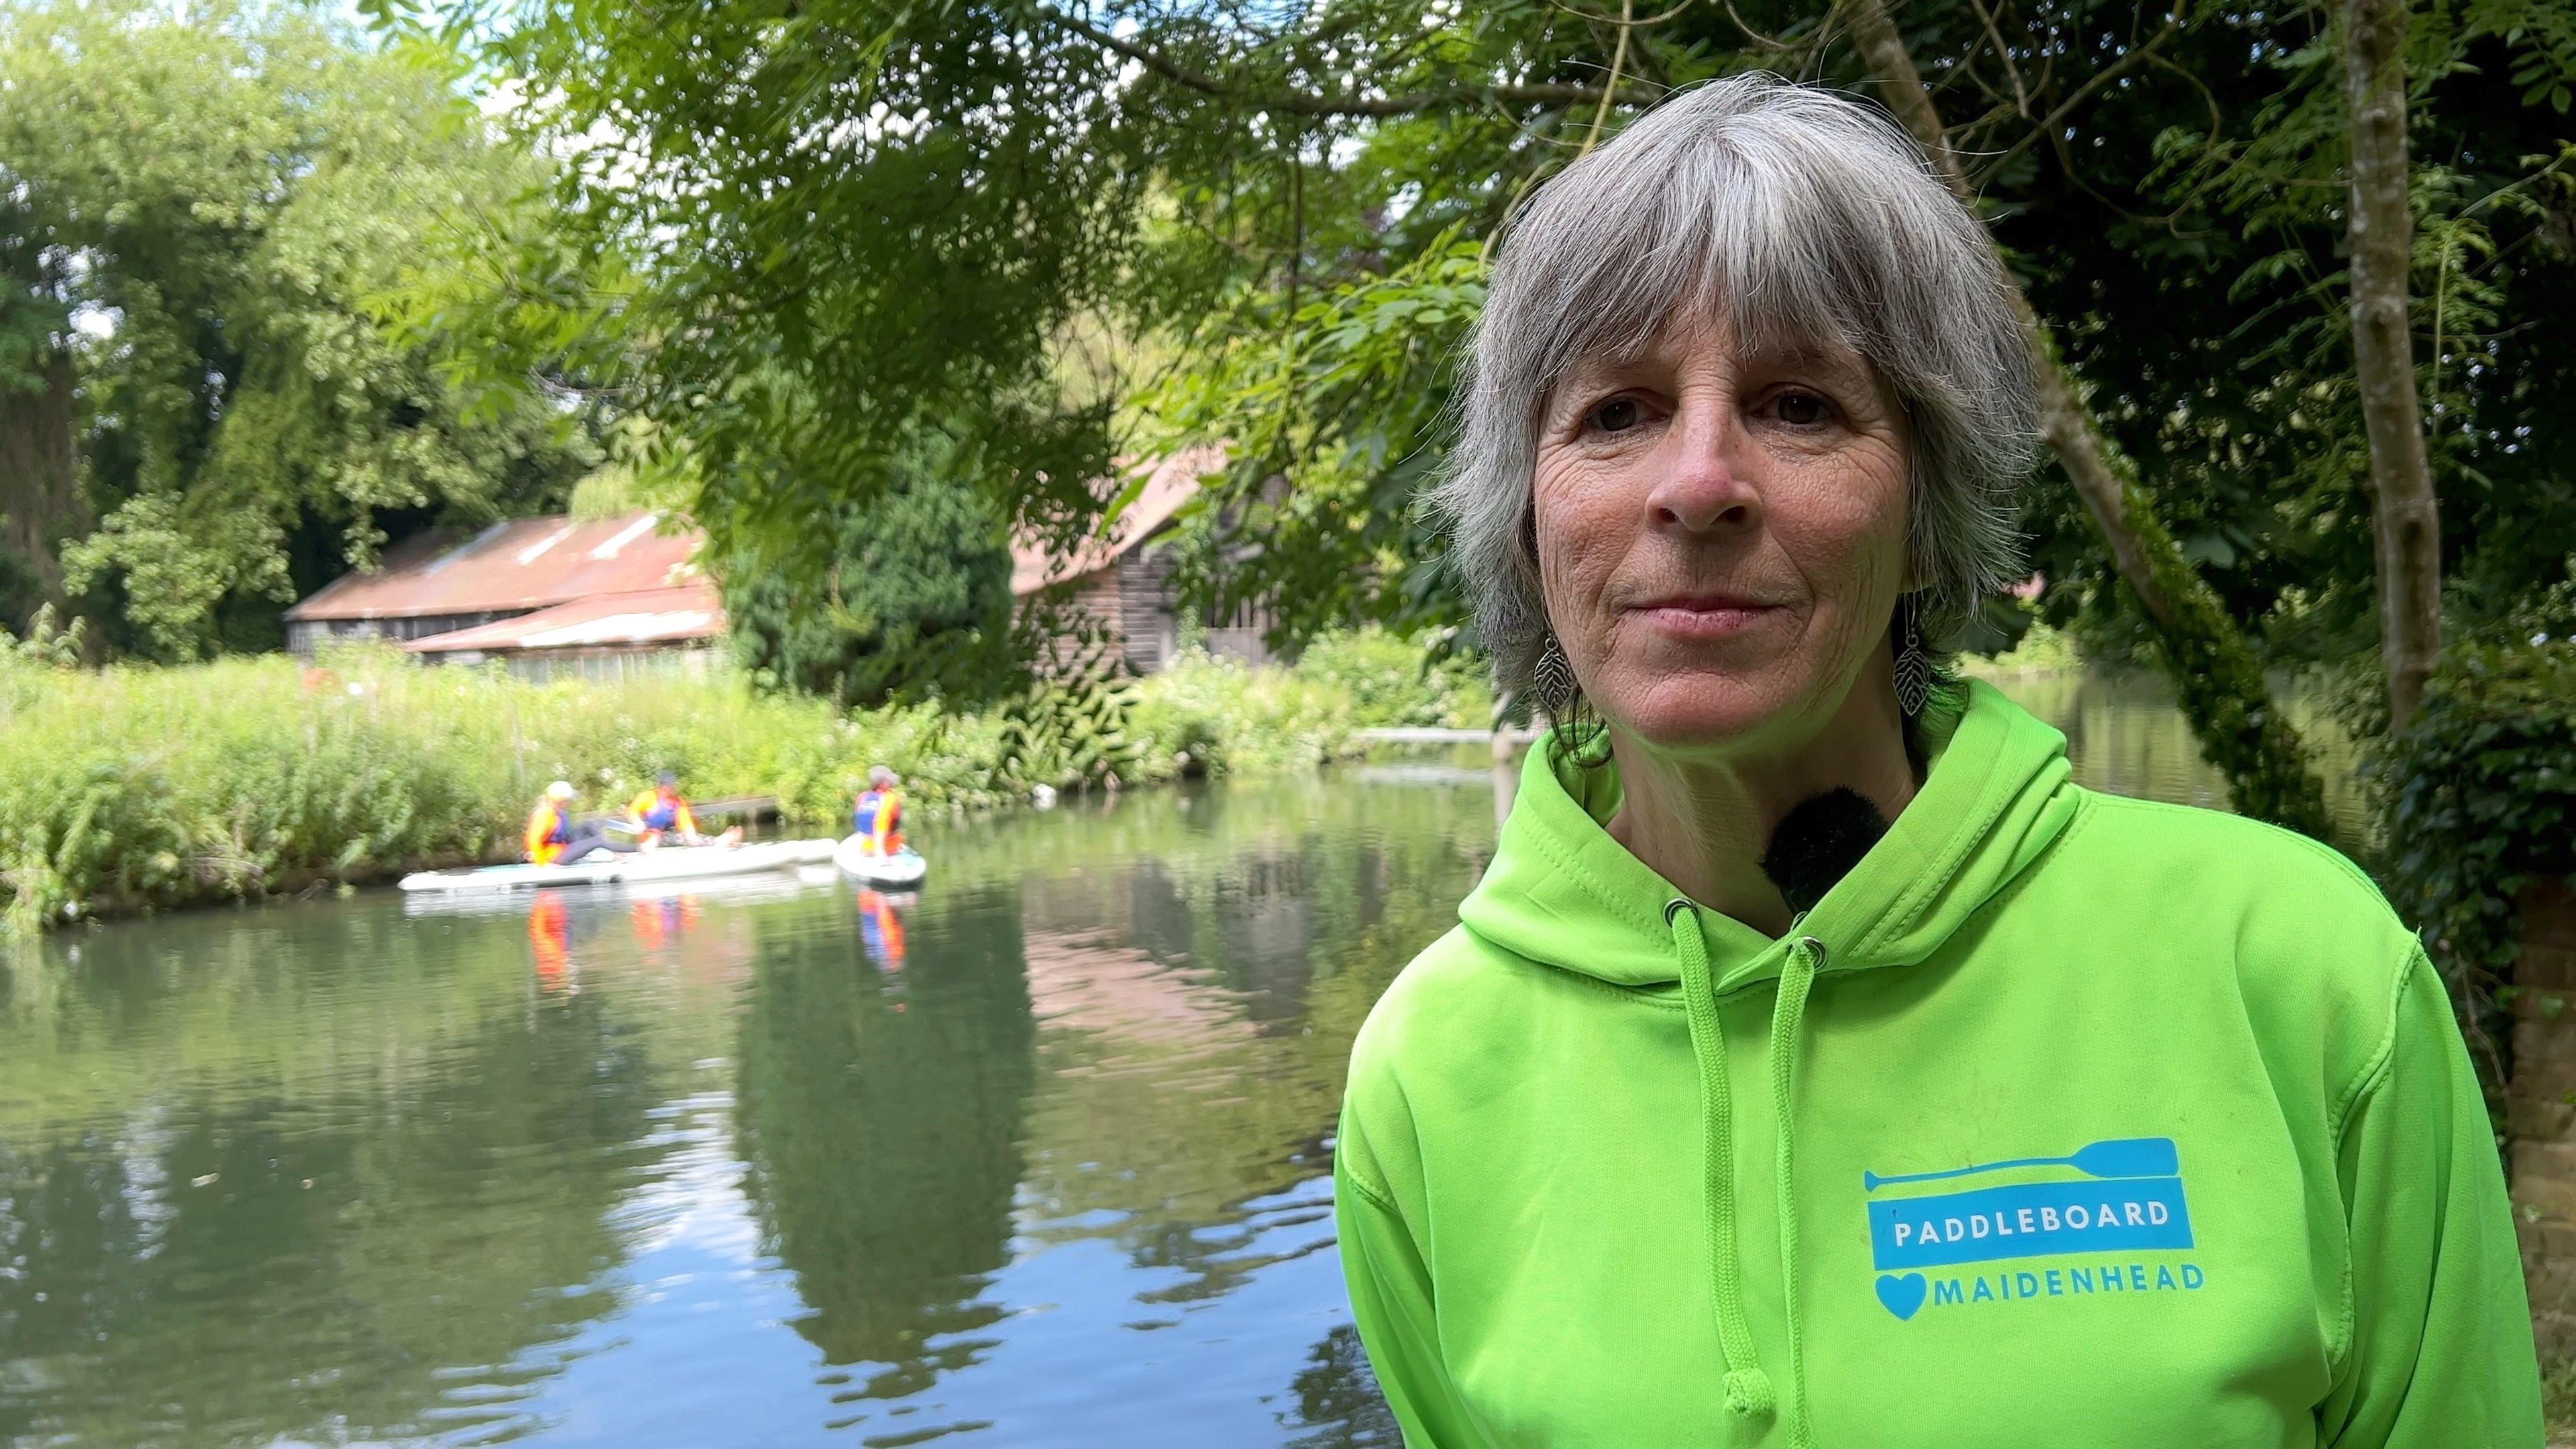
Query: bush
{"type": "Point", "coordinates": [1384, 681]}
{"type": "Point", "coordinates": [2479, 796]}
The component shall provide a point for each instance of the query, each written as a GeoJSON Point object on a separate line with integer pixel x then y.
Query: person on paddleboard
{"type": "Point", "coordinates": [661, 816]}
{"type": "Point", "coordinates": [876, 817]}
{"type": "Point", "coordinates": [552, 838]}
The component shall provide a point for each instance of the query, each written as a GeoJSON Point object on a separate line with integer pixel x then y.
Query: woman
{"type": "Point", "coordinates": [2041, 1118]}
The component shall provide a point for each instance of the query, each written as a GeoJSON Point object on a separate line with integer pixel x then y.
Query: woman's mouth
{"type": "Point", "coordinates": [1704, 616]}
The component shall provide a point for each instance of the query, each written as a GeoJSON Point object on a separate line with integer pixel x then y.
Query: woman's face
{"type": "Point", "coordinates": [1721, 536]}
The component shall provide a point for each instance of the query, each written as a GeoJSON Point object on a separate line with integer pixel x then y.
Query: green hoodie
{"type": "Point", "coordinates": [2063, 1120]}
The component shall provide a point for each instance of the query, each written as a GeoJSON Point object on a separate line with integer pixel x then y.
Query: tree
{"type": "Point", "coordinates": [2242, 730]}
{"type": "Point", "coordinates": [194, 216]}
{"type": "Point", "coordinates": [2408, 521]}
{"type": "Point", "coordinates": [915, 596]}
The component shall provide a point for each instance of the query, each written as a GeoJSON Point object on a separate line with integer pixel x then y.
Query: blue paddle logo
{"type": "Point", "coordinates": [2122, 1195]}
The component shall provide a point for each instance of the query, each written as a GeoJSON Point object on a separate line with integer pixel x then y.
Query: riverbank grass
{"type": "Point", "coordinates": [132, 790]}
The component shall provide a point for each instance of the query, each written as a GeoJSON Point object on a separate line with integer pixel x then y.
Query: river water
{"type": "Point", "coordinates": [1037, 1157]}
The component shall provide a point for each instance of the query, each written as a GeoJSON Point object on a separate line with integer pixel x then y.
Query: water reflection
{"type": "Point", "coordinates": [780, 1161]}
{"type": "Point", "coordinates": [882, 1136]}
{"type": "Point", "coordinates": [2124, 736]}
{"type": "Point", "coordinates": [211, 1262]}
{"type": "Point", "coordinates": [881, 925]}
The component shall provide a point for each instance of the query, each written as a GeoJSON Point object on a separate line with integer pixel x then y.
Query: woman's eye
{"type": "Point", "coordinates": [1802, 409]}
{"type": "Point", "coordinates": [1617, 415]}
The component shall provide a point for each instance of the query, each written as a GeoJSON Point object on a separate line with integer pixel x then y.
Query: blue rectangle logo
{"type": "Point", "coordinates": [2027, 1220]}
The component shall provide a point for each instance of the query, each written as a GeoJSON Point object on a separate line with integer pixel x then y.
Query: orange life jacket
{"type": "Point", "coordinates": [877, 816]}
{"type": "Point", "coordinates": [549, 831]}
{"type": "Point", "coordinates": [652, 816]}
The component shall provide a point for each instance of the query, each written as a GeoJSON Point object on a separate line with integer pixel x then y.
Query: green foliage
{"type": "Point", "coordinates": [2188, 240]}
{"type": "Point", "coordinates": [2480, 797]}
{"type": "Point", "coordinates": [2039, 650]}
{"type": "Point", "coordinates": [1383, 681]}
{"type": "Point", "coordinates": [44, 644]}
{"type": "Point", "coordinates": [913, 599]}
{"type": "Point", "coordinates": [1293, 210]}
{"type": "Point", "coordinates": [139, 789]}
{"type": "Point", "coordinates": [220, 196]}
{"type": "Point", "coordinates": [2558, 1396]}
{"type": "Point", "coordinates": [1070, 721]}
{"type": "Point", "coordinates": [1342, 683]}
{"type": "Point", "coordinates": [1345, 394]}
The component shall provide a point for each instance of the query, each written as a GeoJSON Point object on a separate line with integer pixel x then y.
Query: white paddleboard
{"type": "Point", "coordinates": [678, 862]}
{"type": "Point", "coordinates": [904, 867]}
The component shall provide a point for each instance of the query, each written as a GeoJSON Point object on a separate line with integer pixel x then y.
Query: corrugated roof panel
{"type": "Point", "coordinates": [645, 616]}
{"type": "Point", "coordinates": [539, 563]}
{"type": "Point", "coordinates": [524, 563]}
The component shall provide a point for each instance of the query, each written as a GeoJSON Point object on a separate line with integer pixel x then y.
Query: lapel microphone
{"type": "Point", "coordinates": [1818, 843]}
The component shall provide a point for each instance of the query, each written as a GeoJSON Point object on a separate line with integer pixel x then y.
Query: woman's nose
{"type": "Point", "coordinates": [1702, 487]}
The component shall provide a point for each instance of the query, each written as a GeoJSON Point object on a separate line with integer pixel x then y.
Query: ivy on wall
{"type": "Point", "coordinates": [2480, 798]}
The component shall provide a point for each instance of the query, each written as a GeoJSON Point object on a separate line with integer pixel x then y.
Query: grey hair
{"type": "Point", "coordinates": [1811, 219]}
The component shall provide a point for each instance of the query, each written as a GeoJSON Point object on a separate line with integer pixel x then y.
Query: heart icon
{"type": "Point", "coordinates": [1902, 1294]}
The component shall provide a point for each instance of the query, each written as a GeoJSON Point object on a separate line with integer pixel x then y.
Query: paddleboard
{"type": "Point", "coordinates": [904, 867]}
{"type": "Point", "coordinates": [679, 862]}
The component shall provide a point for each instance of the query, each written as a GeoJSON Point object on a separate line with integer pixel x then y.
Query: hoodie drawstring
{"type": "Point", "coordinates": [1748, 1389]}
{"type": "Point", "coordinates": [1788, 1013]}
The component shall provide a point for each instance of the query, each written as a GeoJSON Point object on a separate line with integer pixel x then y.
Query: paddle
{"type": "Point", "coordinates": [622, 825]}
{"type": "Point", "coordinates": [2117, 1157]}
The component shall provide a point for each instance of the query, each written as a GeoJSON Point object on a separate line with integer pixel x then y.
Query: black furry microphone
{"type": "Point", "coordinates": [1818, 843]}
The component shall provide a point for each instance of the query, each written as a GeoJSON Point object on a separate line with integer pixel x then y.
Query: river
{"type": "Point", "coordinates": [1039, 1157]}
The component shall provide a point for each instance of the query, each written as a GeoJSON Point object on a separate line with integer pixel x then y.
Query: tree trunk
{"type": "Point", "coordinates": [39, 485]}
{"type": "Point", "coordinates": [2242, 729]}
{"type": "Point", "coordinates": [2409, 532]}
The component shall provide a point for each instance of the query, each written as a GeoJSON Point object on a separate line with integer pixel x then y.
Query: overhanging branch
{"type": "Point", "coordinates": [1302, 103]}
{"type": "Point", "coordinates": [2049, 126]}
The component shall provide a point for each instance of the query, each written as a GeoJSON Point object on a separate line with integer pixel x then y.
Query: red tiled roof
{"type": "Point", "coordinates": [1174, 481]}
{"type": "Point", "coordinates": [642, 616]}
{"type": "Point", "coordinates": [525, 563]}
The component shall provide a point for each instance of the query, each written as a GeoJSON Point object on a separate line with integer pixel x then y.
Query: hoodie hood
{"type": "Point", "coordinates": [1562, 892]}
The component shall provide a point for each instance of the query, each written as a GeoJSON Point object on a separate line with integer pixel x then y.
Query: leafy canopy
{"type": "Point", "coordinates": [902, 214]}
{"type": "Point", "coordinates": [195, 215]}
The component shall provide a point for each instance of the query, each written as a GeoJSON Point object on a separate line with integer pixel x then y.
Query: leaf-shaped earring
{"type": "Point", "coordinates": [1552, 680]}
{"type": "Point", "coordinates": [1913, 665]}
